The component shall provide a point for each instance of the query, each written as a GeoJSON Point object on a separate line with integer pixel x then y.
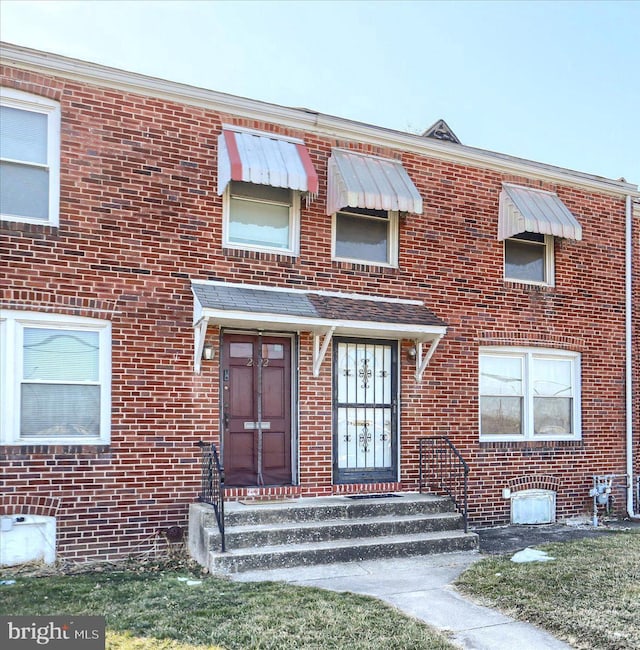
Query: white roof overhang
{"type": "Point", "coordinates": [523, 209]}
{"type": "Point", "coordinates": [322, 330]}
{"type": "Point", "coordinates": [357, 180]}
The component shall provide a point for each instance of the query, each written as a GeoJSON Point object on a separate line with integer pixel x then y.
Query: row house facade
{"type": "Point", "coordinates": [310, 294]}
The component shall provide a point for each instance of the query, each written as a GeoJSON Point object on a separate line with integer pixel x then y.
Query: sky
{"type": "Point", "coordinates": [554, 82]}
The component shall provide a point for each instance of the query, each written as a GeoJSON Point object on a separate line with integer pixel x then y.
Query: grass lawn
{"type": "Point", "coordinates": [589, 596]}
{"type": "Point", "coordinates": [153, 610]}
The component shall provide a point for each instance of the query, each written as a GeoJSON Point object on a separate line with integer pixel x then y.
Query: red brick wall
{"type": "Point", "coordinates": [140, 218]}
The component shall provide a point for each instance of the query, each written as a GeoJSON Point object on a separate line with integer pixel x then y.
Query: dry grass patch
{"type": "Point", "coordinates": [155, 610]}
{"type": "Point", "coordinates": [589, 596]}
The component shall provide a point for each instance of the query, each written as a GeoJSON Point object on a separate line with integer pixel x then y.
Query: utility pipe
{"type": "Point", "coordinates": [629, 351]}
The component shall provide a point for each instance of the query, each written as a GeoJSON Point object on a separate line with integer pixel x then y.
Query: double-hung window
{"type": "Point", "coordinates": [29, 158]}
{"type": "Point", "coordinates": [366, 236]}
{"type": "Point", "coordinates": [529, 220]}
{"type": "Point", "coordinates": [528, 257]}
{"type": "Point", "coordinates": [55, 379]}
{"type": "Point", "coordinates": [261, 217]}
{"type": "Point", "coordinates": [529, 394]}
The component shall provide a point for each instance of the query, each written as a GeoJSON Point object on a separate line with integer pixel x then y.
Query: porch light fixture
{"type": "Point", "coordinates": [411, 353]}
{"type": "Point", "coordinates": [207, 351]}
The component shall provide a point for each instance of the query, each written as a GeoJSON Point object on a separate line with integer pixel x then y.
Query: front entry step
{"type": "Point", "coordinates": [323, 530]}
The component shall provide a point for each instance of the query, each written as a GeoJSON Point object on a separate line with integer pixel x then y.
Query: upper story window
{"type": "Point", "coordinates": [366, 236]}
{"type": "Point", "coordinates": [529, 394]}
{"type": "Point", "coordinates": [528, 257]}
{"type": "Point", "coordinates": [55, 379]}
{"type": "Point", "coordinates": [262, 217]}
{"type": "Point", "coordinates": [365, 194]}
{"type": "Point", "coordinates": [529, 219]}
{"type": "Point", "coordinates": [262, 177]}
{"type": "Point", "coordinates": [29, 158]}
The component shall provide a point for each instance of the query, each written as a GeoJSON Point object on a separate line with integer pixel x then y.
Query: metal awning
{"type": "Point", "coordinates": [264, 159]}
{"type": "Point", "coordinates": [357, 180]}
{"type": "Point", "coordinates": [321, 313]}
{"type": "Point", "coordinates": [523, 209]}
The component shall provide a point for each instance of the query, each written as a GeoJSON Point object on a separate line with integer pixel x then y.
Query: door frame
{"type": "Point", "coordinates": [347, 476]}
{"type": "Point", "coordinates": [294, 342]}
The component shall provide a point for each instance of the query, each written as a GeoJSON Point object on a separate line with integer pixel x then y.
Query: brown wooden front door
{"type": "Point", "coordinates": [256, 407]}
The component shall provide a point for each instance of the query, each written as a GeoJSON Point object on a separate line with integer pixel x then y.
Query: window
{"type": "Point", "coordinates": [529, 393]}
{"type": "Point", "coordinates": [261, 217]}
{"type": "Point", "coordinates": [54, 379]}
{"type": "Point", "coordinates": [29, 158]}
{"type": "Point", "coordinates": [528, 257]}
{"type": "Point", "coordinates": [367, 236]}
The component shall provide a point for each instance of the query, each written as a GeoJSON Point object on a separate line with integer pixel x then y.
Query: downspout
{"type": "Point", "coordinates": [629, 351]}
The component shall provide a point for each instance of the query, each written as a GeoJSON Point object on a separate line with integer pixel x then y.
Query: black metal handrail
{"type": "Point", "coordinates": [212, 488]}
{"type": "Point", "coordinates": [443, 469]}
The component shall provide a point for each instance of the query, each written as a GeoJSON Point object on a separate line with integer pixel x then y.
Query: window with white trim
{"type": "Point", "coordinates": [366, 236]}
{"type": "Point", "coordinates": [55, 379]}
{"type": "Point", "coordinates": [529, 394]}
{"type": "Point", "coordinates": [29, 158]}
{"type": "Point", "coordinates": [261, 217]}
{"type": "Point", "coordinates": [528, 257]}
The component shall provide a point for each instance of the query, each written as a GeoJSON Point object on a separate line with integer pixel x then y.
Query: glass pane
{"type": "Point", "coordinates": [552, 377]}
{"type": "Point", "coordinates": [59, 410]}
{"type": "Point", "coordinates": [61, 355]}
{"type": "Point", "coordinates": [524, 261]}
{"type": "Point", "coordinates": [261, 192]}
{"type": "Point", "coordinates": [24, 191]}
{"type": "Point", "coordinates": [241, 350]}
{"type": "Point", "coordinates": [500, 375]}
{"type": "Point", "coordinates": [23, 135]}
{"type": "Point", "coordinates": [501, 415]}
{"type": "Point", "coordinates": [272, 351]}
{"type": "Point", "coordinates": [259, 224]}
{"type": "Point", "coordinates": [360, 238]}
{"type": "Point", "coordinates": [552, 415]}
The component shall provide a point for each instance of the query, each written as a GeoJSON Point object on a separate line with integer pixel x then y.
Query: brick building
{"type": "Point", "coordinates": [311, 294]}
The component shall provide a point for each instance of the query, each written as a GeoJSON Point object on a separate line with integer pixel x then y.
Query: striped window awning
{"type": "Point", "coordinates": [264, 159]}
{"type": "Point", "coordinates": [358, 180]}
{"type": "Point", "coordinates": [523, 209]}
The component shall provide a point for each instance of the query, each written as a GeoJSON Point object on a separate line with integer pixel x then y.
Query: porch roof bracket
{"type": "Point", "coordinates": [423, 362]}
{"type": "Point", "coordinates": [320, 351]}
{"type": "Point", "coordinates": [199, 333]}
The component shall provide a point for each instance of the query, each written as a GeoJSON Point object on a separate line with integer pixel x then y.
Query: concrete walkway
{"type": "Point", "coordinates": [421, 587]}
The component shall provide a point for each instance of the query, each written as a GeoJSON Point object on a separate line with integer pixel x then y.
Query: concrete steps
{"type": "Point", "coordinates": [302, 532]}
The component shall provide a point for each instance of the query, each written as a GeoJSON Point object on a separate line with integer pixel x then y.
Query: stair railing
{"type": "Point", "coordinates": [443, 469]}
{"type": "Point", "coordinates": [212, 485]}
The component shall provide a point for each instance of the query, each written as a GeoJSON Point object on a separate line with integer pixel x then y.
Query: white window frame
{"type": "Point", "coordinates": [392, 239]}
{"type": "Point", "coordinates": [293, 247]}
{"type": "Point", "coordinates": [36, 104]}
{"type": "Point", "coordinates": [548, 261]}
{"type": "Point", "coordinates": [526, 355]}
{"type": "Point", "coordinates": [12, 326]}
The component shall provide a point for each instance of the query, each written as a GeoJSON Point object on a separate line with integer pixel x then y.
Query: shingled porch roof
{"type": "Point", "coordinates": [322, 313]}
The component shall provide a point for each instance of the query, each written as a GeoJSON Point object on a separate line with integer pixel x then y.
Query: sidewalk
{"type": "Point", "coordinates": [421, 587]}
